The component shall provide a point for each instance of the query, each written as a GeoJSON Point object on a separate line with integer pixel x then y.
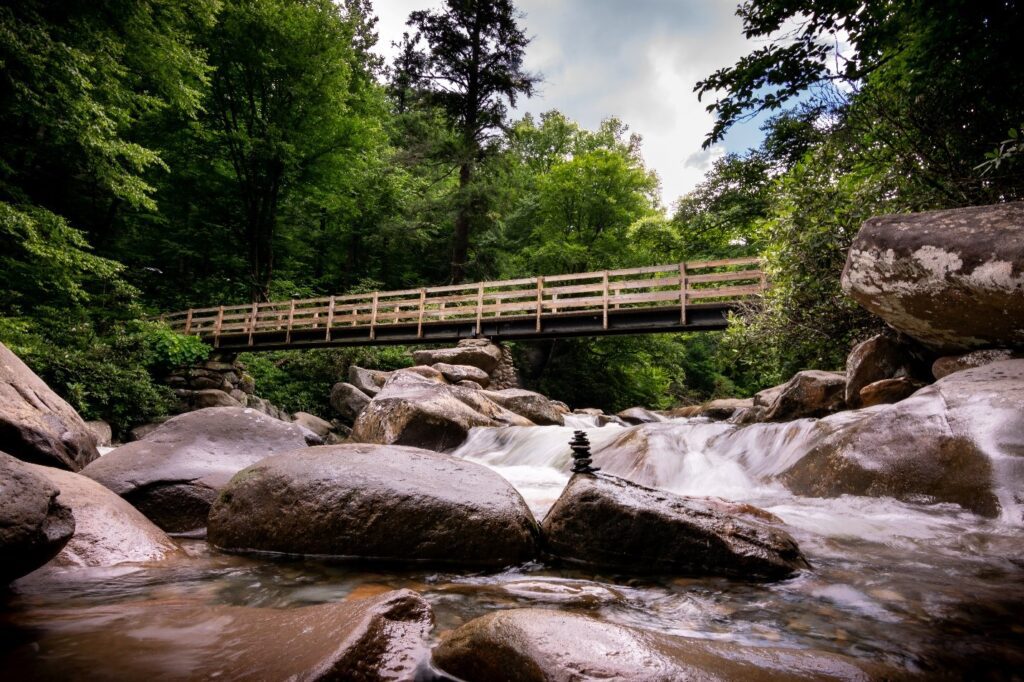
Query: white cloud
{"type": "Point", "coordinates": [636, 60]}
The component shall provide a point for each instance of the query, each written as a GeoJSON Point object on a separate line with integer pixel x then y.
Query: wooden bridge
{"type": "Point", "coordinates": [693, 296]}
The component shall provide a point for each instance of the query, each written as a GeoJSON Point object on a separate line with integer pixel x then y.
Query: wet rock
{"type": "Point", "coordinates": [417, 411]}
{"type": "Point", "coordinates": [101, 432]}
{"type": "Point", "coordinates": [211, 397]}
{"type": "Point", "coordinates": [485, 356]}
{"type": "Point", "coordinates": [880, 357]}
{"type": "Point", "coordinates": [375, 502]}
{"type": "Point", "coordinates": [472, 385]}
{"type": "Point", "coordinates": [545, 645]}
{"type": "Point", "coordinates": [560, 407]}
{"type": "Point", "coordinates": [889, 391]}
{"type": "Point", "coordinates": [725, 408]}
{"type": "Point", "coordinates": [748, 415]}
{"type": "Point", "coordinates": [811, 393]}
{"type": "Point", "coordinates": [321, 427]}
{"type": "Point", "coordinates": [609, 522]}
{"type": "Point", "coordinates": [108, 530]}
{"type": "Point", "coordinates": [348, 401]}
{"type": "Point", "coordinates": [34, 524]}
{"type": "Point", "coordinates": [481, 401]}
{"type": "Point", "coordinates": [369, 381]}
{"type": "Point", "coordinates": [592, 411]}
{"type": "Point", "coordinates": [534, 406]}
{"type": "Point", "coordinates": [684, 411]}
{"type": "Point", "coordinates": [36, 424]}
{"type": "Point", "coordinates": [952, 279]}
{"type": "Point", "coordinates": [768, 396]}
{"type": "Point", "coordinates": [456, 373]}
{"type": "Point", "coordinates": [175, 472]}
{"type": "Point", "coordinates": [946, 365]}
{"type": "Point", "coordinates": [379, 638]}
{"type": "Point", "coordinates": [957, 441]}
{"type": "Point", "coordinates": [638, 415]}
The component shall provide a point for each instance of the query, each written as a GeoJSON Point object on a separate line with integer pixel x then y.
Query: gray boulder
{"type": "Point", "coordinates": [321, 427]}
{"type": "Point", "coordinates": [348, 401]}
{"type": "Point", "coordinates": [608, 522]}
{"type": "Point", "coordinates": [959, 440]}
{"type": "Point", "coordinates": [953, 280]}
{"type": "Point", "coordinates": [108, 530]}
{"type": "Point", "coordinates": [948, 364]}
{"type": "Point", "coordinates": [175, 472]}
{"type": "Point", "coordinates": [36, 424]}
{"type": "Point", "coordinates": [534, 406]}
{"type": "Point", "coordinates": [456, 373]}
{"type": "Point", "coordinates": [101, 432]}
{"type": "Point", "coordinates": [485, 356]}
{"type": "Point", "coordinates": [880, 357]}
{"type": "Point", "coordinates": [375, 502]}
{"type": "Point", "coordinates": [369, 381]}
{"type": "Point", "coordinates": [545, 645]}
{"type": "Point", "coordinates": [811, 393]}
{"type": "Point", "coordinates": [34, 525]}
{"type": "Point", "coordinates": [638, 415]}
{"type": "Point", "coordinates": [211, 397]}
{"type": "Point", "coordinates": [419, 411]}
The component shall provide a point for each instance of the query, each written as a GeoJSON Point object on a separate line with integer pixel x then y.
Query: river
{"type": "Point", "coordinates": [926, 588]}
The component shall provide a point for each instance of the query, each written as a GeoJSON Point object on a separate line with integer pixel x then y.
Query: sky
{"type": "Point", "coordinates": [635, 59]}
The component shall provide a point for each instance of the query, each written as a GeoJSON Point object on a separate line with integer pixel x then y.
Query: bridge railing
{"type": "Point", "coordinates": [660, 286]}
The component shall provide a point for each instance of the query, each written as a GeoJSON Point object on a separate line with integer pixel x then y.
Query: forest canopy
{"type": "Point", "coordinates": [165, 154]}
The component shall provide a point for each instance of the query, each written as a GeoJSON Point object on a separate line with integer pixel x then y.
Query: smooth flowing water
{"type": "Point", "coordinates": [928, 589]}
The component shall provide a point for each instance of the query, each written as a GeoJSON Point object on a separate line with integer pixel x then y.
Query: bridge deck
{"type": "Point", "coordinates": [680, 297]}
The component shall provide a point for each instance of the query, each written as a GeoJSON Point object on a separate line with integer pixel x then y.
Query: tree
{"type": "Point", "coordinates": [472, 68]}
{"type": "Point", "coordinates": [291, 96]}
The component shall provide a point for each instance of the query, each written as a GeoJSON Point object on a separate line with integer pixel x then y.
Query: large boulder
{"type": "Point", "coordinates": [418, 411]}
{"type": "Point", "coordinates": [102, 433]}
{"type": "Point", "coordinates": [484, 355]}
{"type": "Point", "coordinates": [959, 440]}
{"type": "Point", "coordinates": [34, 524]}
{"type": "Point", "coordinates": [348, 401]}
{"type": "Point", "coordinates": [321, 427]}
{"type": "Point", "coordinates": [811, 393]}
{"type": "Point", "coordinates": [725, 408]}
{"type": "Point", "coordinates": [456, 373]}
{"type": "Point", "coordinates": [948, 364]}
{"type": "Point", "coordinates": [887, 391]}
{"type": "Point", "coordinates": [175, 472]}
{"type": "Point", "coordinates": [544, 645]}
{"type": "Point", "coordinates": [609, 522]}
{"type": "Point", "coordinates": [638, 415]}
{"type": "Point", "coordinates": [376, 502]}
{"type": "Point", "coordinates": [379, 638]}
{"type": "Point", "coordinates": [953, 280]}
{"type": "Point", "coordinates": [108, 530]}
{"type": "Point", "coordinates": [534, 406]}
{"type": "Point", "coordinates": [880, 357]}
{"type": "Point", "coordinates": [211, 397]}
{"type": "Point", "coordinates": [36, 424]}
{"type": "Point", "coordinates": [369, 381]}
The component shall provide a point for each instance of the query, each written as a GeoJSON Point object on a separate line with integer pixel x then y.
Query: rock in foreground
{"type": "Point", "coordinates": [36, 424]}
{"type": "Point", "coordinates": [609, 522]}
{"type": "Point", "coordinates": [373, 502]}
{"type": "Point", "coordinates": [375, 639]}
{"type": "Point", "coordinates": [541, 645]}
{"type": "Point", "coordinates": [953, 280]}
{"type": "Point", "coordinates": [108, 530]}
{"type": "Point", "coordinates": [175, 472]}
{"type": "Point", "coordinates": [34, 524]}
{"type": "Point", "coordinates": [958, 440]}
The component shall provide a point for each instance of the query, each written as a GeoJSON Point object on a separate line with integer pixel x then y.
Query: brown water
{"type": "Point", "coordinates": [928, 589]}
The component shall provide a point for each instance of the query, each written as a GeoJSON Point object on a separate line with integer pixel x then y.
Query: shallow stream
{"type": "Point", "coordinates": [928, 589]}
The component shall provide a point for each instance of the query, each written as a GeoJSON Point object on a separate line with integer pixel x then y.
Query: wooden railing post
{"type": "Point", "coordinates": [188, 321]}
{"type": "Point", "coordinates": [217, 326]}
{"type": "Point", "coordinates": [252, 320]}
{"type": "Point", "coordinates": [330, 319]}
{"type": "Point", "coordinates": [373, 316]}
{"type": "Point", "coordinates": [682, 294]}
{"type": "Point", "coordinates": [291, 319]}
{"type": "Point", "coordinates": [540, 299]}
{"type": "Point", "coordinates": [604, 302]}
{"type": "Point", "coordinates": [423, 305]}
{"type": "Point", "coordinates": [479, 306]}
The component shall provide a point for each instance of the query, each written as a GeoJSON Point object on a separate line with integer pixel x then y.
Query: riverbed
{"type": "Point", "coordinates": [928, 589]}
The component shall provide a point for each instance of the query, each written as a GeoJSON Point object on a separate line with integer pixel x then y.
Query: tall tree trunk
{"type": "Point", "coordinates": [460, 243]}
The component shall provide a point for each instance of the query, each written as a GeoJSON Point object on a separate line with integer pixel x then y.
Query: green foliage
{"type": "Point", "coordinates": [301, 380]}
{"type": "Point", "coordinates": [166, 350]}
